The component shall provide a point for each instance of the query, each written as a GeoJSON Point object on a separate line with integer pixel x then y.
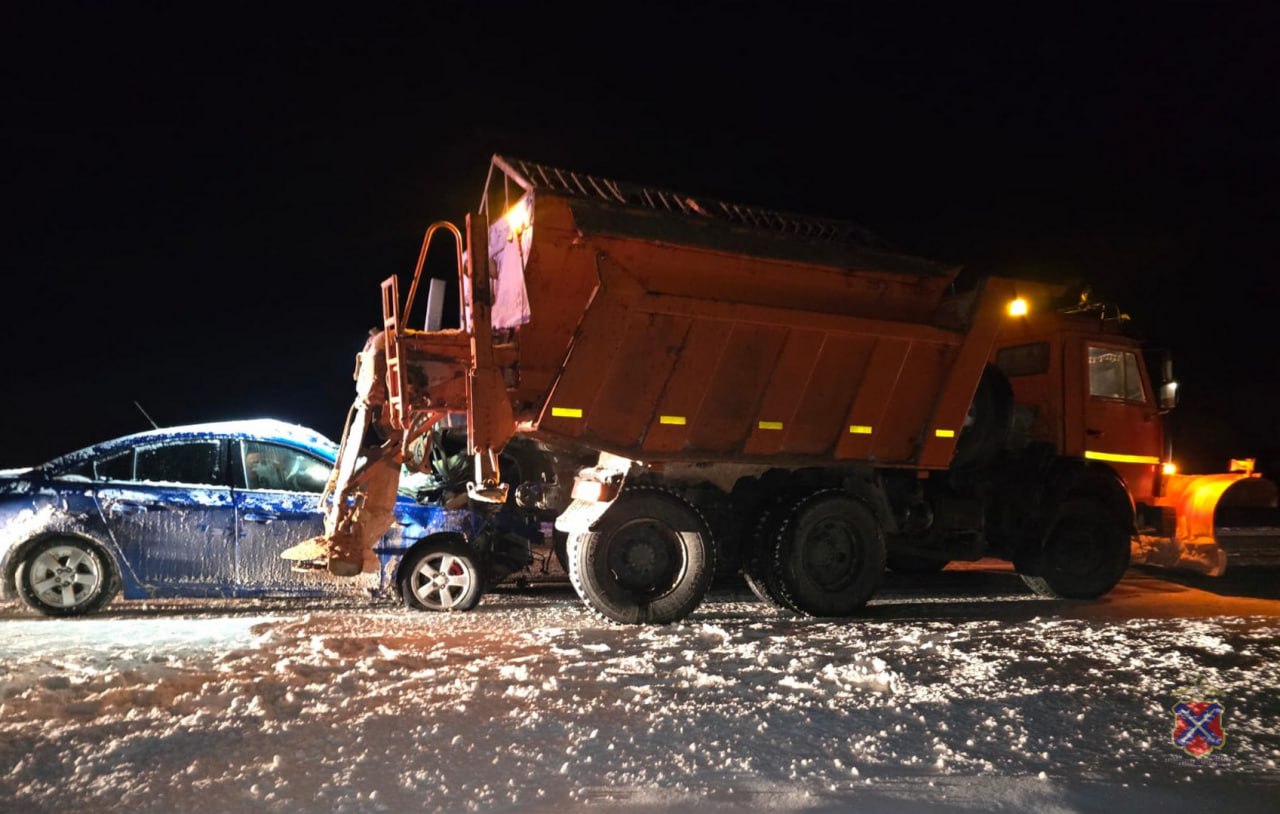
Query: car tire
{"type": "Point", "coordinates": [1086, 552]}
{"type": "Point", "coordinates": [649, 560]}
{"type": "Point", "coordinates": [66, 576]}
{"type": "Point", "coordinates": [441, 576]}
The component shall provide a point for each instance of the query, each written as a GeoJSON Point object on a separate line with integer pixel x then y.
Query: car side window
{"type": "Point", "coordinates": [1113, 374]}
{"type": "Point", "coordinates": [118, 467]}
{"type": "Point", "coordinates": [271, 466]}
{"type": "Point", "coordinates": [191, 462]}
{"type": "Point", "coordinates": [80, 472]}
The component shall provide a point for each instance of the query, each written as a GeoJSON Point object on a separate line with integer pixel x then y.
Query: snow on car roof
{"type": "Point", "coordinates": [248, 428]}
{"type": "Point", "coordinates": [257, 428]}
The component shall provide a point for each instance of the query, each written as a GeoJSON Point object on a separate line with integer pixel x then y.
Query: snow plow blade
{"type": "Point", "coordinates": [1212, 521]}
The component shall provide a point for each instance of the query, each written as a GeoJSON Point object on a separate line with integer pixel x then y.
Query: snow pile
{"type": "Point", "coordinates": [531, 703]}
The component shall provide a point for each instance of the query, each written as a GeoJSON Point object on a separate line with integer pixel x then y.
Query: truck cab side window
{"type": "Point", "coordinates": [1113, 374]}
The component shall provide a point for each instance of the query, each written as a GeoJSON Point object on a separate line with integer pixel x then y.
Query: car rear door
{"type": "Point", "coordinates": [168, 507]}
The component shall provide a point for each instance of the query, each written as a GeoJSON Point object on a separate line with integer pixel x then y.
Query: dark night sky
{"type": "Point", "coordinates": [199, 205]}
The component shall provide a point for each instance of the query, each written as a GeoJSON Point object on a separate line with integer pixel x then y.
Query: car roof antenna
{"type": "Point", "coordinates": [144, 413]}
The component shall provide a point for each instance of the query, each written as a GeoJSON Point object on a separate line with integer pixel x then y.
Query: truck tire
{"type": "Point", "coordinates": [1085, 553]}
{"type": "Point", "coordinates": [650, 559]}
{"type": "Point", "coordinates": [757, 565]}
{"type": "Point", "coordinates": [987, 425]}
{"type": "Point", "coordinates": [830, 555]}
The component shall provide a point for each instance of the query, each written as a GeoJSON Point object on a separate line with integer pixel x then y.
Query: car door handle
{"type": "Point", "coordinates": [259, 517]}
{"type": "Point", "coordinates": [1093, 432]}
{"type": "Point", "coordinates": [124, 507]}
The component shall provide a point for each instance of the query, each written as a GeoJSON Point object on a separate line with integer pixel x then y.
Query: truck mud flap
{"type": "Point", "coordinates": [581, 516]}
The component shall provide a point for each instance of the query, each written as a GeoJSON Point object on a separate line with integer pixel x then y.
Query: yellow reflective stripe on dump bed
{"type": "Point", "coordinates": [566, 412]}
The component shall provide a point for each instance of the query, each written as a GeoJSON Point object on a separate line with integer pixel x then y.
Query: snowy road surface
{"type": "Point", "coordinates": [958, 691]}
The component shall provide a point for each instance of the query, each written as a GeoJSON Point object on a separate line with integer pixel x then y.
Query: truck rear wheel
{"type": "Point", "coordinates": [757, 566]}
{"type": "Point", "coordinates": [1085, 553]}
{"type": "Point", "coordinates": [830, 555]}
{"type": "Point", "coordinates": [650, 559]}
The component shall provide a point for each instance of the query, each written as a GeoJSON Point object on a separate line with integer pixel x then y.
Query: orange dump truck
{"type": "Point", "coordinates": [706, 382]}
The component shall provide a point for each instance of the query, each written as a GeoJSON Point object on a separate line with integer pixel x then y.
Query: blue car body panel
{"type": "Point", "coordinates": [178, 539]}
{"type": "Point", "coordinates": [207, 540]}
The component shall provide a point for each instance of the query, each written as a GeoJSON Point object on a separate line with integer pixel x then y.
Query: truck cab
{"type": "Point", "coordinates": [1080, 384]}
{"type": "Point", "coordinates": [1081, 387]}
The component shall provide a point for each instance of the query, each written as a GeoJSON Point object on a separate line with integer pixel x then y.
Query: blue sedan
{"type": "Point", "coordinates": [204, 511]}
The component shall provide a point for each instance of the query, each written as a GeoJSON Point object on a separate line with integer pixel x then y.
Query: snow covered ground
{"type": "Point", "coordinates": [958, 691]}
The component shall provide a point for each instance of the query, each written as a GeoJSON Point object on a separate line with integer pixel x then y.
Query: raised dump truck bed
{"type": "Point", "coordinates": [662, 335]}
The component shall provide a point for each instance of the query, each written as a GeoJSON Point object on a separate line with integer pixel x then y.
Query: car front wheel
{"type": "Point", "coordinates": [441, 576]}
{"type": "Point", "coordinates": [66, 577]}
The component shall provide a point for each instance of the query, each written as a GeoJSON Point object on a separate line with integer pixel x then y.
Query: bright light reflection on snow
{"type": "Point", "coordinates": [100, 636]}
{"type": "Point", "coordinates": [947, 703]}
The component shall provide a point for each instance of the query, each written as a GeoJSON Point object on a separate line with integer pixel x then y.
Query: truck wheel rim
{"type": "Point", "coordinates": [65, 577]}
{"type": "Point", "coordinates": [1077, 549]}
{"type": "Point", "coordinates": [831, 553]}
{"type": "Point", "coordinates": [646, 558]}
{"type": "Point", "coordinates": [441, 581]}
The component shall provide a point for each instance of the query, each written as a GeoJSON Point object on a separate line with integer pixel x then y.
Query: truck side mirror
{"type": "Point", "coordinates": [1168, 384]}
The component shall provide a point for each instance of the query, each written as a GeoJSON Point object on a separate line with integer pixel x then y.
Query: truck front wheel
{"type": "Point", "coordinates": [830, 555]}
{"type": "Point", "coordinates": [1085, 553]}
{"type": "Point", "coordinates": [649, 559]}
